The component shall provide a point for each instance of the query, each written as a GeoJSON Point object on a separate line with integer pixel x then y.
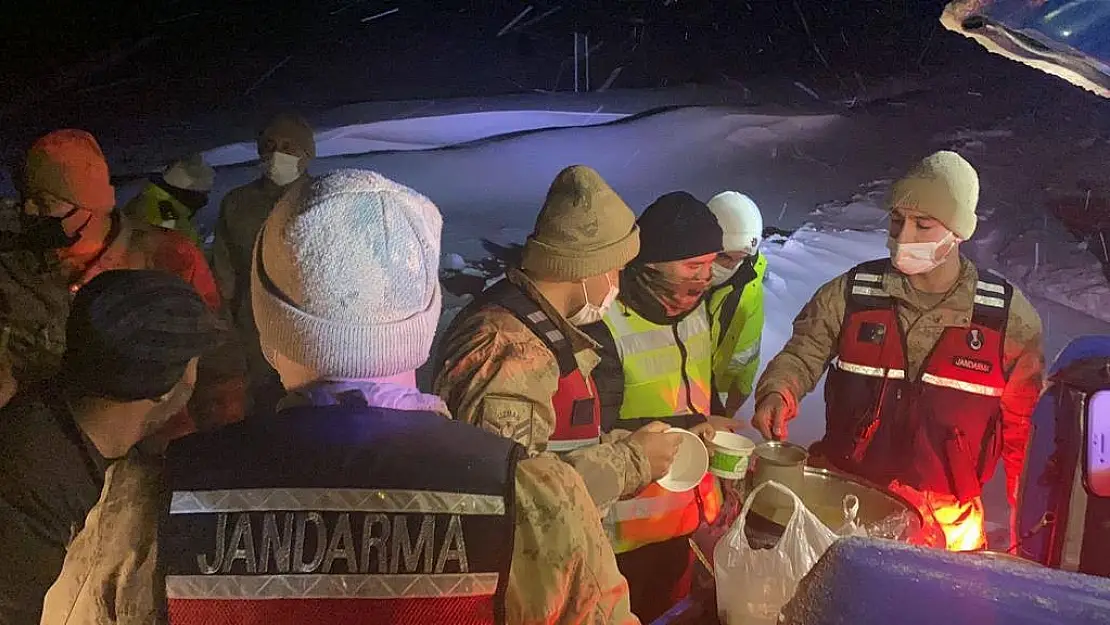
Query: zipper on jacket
{"type": "Point", "coordinates": [685, 374]}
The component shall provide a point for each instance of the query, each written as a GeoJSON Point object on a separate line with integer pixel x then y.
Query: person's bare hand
{"type": "Point", "coordinates": [771, 417]}
{"type": "Point", "coordinates": [714, 424]}
{"type": "Point", "coordinates": [659, 446]}
{"type": "Point", "coordinates": [725, 424]}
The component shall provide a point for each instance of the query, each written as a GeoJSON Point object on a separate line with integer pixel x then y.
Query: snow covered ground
{"type": "Point", "coordinates": [818, 166]}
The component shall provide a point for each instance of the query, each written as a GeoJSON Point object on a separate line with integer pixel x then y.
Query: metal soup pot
{"type": "Point", "coordinates": [823, 492]}
{"type": "Point", "coordinates": [781, 462]}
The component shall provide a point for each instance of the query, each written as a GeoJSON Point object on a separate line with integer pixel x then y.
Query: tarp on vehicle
{"type": "Point", "coordinates": [1066, 38]}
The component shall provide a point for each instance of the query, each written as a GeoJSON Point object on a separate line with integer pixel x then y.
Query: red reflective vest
{"type": "Point", "coordinates": [575, 402]}
{"type": "Point", "coordinates": [940, 432]}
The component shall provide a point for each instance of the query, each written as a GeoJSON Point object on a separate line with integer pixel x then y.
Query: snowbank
{"type": "Point", "coordinates": [421, 133]}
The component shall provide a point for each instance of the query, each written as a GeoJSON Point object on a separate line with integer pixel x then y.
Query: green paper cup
{"type": "Point", "coordinates": [731, 453]}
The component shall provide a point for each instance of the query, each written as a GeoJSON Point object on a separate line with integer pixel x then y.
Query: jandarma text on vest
{"type": "Point", "coordinates": [331, 543]}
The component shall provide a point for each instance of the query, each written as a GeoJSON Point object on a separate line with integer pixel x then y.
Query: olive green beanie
{"type": "Point", "coordinates": [945, 187]}
{"type": "Point", "coordinates": [584, 229]}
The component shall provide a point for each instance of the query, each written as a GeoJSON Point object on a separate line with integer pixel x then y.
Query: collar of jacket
{"type": "Point", "coordinates": [376, 394]}
{"type": "Point", "coordinates": [636, 294]}
{"type": "Point", "coordinates": [270, 189]}
{"type": "Point", "coordinates": [578, 339]}
{"type": "Point", "coordinates": [745, 273]}
{"type": "Point", "coordinates": [954, 309]}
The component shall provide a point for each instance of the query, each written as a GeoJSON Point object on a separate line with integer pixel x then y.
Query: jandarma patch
{"type": "Point", "coordinates": [971, 364]}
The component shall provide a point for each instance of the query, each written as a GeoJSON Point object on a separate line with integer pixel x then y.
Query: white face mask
{"type": "Point", "coordinates": [590, 313]}
{"type": "Point", "coordinates": [722, 274]}
{"type": "Point", "coordinates": [281, 168]}
{"type": "Point", "coordinates": [167, 407]}
{"type": "Point", "coordinates": [917, 258]}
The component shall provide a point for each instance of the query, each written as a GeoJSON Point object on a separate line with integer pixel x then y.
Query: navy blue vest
{"type": "Point", "coordinates": [341, 513]}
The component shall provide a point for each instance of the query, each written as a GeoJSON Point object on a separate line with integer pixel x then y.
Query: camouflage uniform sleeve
{"type": "Point", "coordinates": [563, 568]}
{"type": "Point", "coordinates": [1023, 359]}
{"type": "Point", "coordinates": [111, 566]}
{"type": "Point", "coordinates": [497, 375]}
{"type": "Point", "coordinates": [615, 469]}
{"type": "Point", "coordinates": [797, 368]}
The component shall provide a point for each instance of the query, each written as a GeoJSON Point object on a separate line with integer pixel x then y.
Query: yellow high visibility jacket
{"type": "Point", "coordinates": [736, 316]}
{"type": "Point", "coordinates": [157, 207]}
{"type": "Point", "coordinates": [667, 371]}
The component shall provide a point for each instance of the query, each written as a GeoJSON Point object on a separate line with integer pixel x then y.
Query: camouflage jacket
{"type": "Point", "coordinates": [242, 213]}
{"type": "Point", "coordinates": [563, 569]}
{"type": "Point", "coordinates": [923, 317]}
{"type": "Point", "coordinates": [35, 294]}
{"type": "Point", "coordinates": [497, 374]}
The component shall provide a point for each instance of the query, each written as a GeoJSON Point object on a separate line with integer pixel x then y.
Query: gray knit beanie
{"type": "Point", "coordinates": [345, 278]}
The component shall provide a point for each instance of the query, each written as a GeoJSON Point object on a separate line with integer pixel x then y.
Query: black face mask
{"type": "Point", "coordinates": [45, 232]}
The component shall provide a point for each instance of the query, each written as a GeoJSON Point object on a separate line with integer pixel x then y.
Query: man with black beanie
{"type": "Point", "coordinates": [656, 364]}
{"type": "Point", "coordinates": [133, 339]}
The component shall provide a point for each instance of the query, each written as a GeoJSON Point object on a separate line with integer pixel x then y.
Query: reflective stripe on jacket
{"type": "Point", "coordinates": [667, 373]}
{"type": "Point", "coordinates": [495, 372]}
{"type": "Point", "coordinates": [363, 513]}
{"type": "Point", "coordinates": [736, 314]}
{"type": "Point", "coordinates": [667, 368]}
{"type": "Point", "coordinates": [923, 318]}
{"type": "Point", "coordinates": [940, 432]}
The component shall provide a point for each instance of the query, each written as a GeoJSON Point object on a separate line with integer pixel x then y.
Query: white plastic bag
{"type": "Point", "coordinates": [754, 584]}
{"type": "Point", "coordinates": [851, 526]}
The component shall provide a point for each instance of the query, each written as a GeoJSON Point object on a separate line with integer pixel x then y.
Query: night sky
{"type": "Point", "coordinates": [72, 62]}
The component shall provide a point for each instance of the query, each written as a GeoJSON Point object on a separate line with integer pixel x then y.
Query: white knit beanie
{"type": "Point", "coordinates": [944, 186]}
{"type": "Point", "coordinates": [345, 278]}
{"type": "Point", "coordinates": [191, 174]}
{"type": "Point", "coordinates": [740, 220]}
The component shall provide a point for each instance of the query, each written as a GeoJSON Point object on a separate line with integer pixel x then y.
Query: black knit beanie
{"type": "Point", "coordinates": [131, 334]}
{"type": "Point", "coordinates": [678, 226]}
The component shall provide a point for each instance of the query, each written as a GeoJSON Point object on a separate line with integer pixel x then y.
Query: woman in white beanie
{"type": "Point", "coordinates": [414, 517]}
{"type": "Point", "coordinates": [933, 366]}
{"type": "Point", "coordinates": [736, 300]}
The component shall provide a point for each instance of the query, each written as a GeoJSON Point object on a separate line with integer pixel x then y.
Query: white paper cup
{"type": "Point", "coordinates": [690, 463]}
{"type": "Point", "coordinates": [731, 454]}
